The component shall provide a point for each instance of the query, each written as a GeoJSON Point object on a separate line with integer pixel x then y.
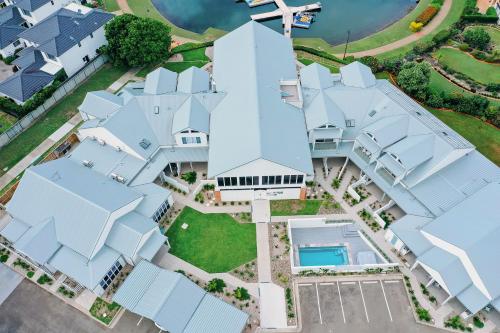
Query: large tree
{"type": "Point", "coordinates": [136, 41]}
{"type": "Point", "coordinates": [414, 78]}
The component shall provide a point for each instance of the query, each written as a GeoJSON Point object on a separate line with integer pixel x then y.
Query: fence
{"type": "Point", "coordinates": [69, 85]}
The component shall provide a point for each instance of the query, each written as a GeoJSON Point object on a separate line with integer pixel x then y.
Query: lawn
{"type": "Point", "coordinates": [307, 59]}
{"type": "Point", "coordinates": [6, 121]}
{"type": "Point", "coordinates": [457, 7]}
{"type": "Point", "coordinates": [295, 207]}
{"type": "Point", "coordinates": [111, 5]}
{"type": "Point", "coordinates": [440, 84]}
{"type": "Point", "coordinates": [56, 117]}
{"type": "Point", "coordinates": [213, 242]}
{"type": "Point", "coordinates": [485, 137]}
{"type": "Point", "coordinates": [195, 55]}
{"type": "Point", "coordinates": [191, 58]}
{"type": "Point", "coordinates": [462, 62]}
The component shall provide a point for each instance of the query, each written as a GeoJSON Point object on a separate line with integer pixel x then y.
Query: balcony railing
{"type": "Point", "coordinates": [365, 157]}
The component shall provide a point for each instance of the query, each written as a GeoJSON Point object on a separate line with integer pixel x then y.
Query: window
{"type": "Point", "coordinates": [220, 181]}
{"type": "Point", "coordinates": [79, 44]}
{"type": "Point", "coordinates": [255, 180]}
{"type": "Point", "coordinates": [265, 180]}
{"type": "Point", "coordinates": [50, 56]}
{"type": "Point", "coordinates": [191, 140]}
{"type": "Point", "coordinates": [286, 179]}
{"type": "Point", "coordinates": [86, 59]}
{"type": "Point", "coordinates": [109, 277]}
{"type": "Point", "coordinates": [300, 179]}
{"type": "Point", "coordinates": [271, 180]}
{"type": "Point", "coordinates": [293, 179]}
{"type": "Point", "coordinates": [161, 211]}
{"type": "Point", "coordinates": [227, 181]}
{"type": "Point", "coordinates": [350, 122]}
{"type": "Point", "coordinates": [234, 181]}
{"type": "Point", "coordinates": [91, 35]}
{"type": "Point", "coordinates": [16, 43]}
{"type": "Point", "coordinates": [243, 181]}
{"type": "Point", "coordinates": [249, 180]}
{"type": "Point", "coordinates": [372, 113]}
{"type": "Point", "coordinates": [25, 12]}
{"type": "Point", "coordinates": [278, 180]}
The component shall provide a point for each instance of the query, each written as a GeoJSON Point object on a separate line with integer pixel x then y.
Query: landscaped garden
{"type": "Point", "coordinates": [23, 144]}
{"type": "Point", "coordinates": [213, 242]}
{"type": "Point", "coordinates": [461, 62]}
{"type": "Point", "coordinates": [295, 207]}
{"type": "Point", "coordinates": [104, 311]}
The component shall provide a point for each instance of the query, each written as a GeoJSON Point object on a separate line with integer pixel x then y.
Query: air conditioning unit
{"type": "Point", "coordinates": [118, 178]}
{"type": "Point", "coordinates": [87, 163]}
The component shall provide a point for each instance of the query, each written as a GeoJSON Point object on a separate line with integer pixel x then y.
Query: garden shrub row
{"type": "Point", "coordinates": [319, 53]}
{"type": "Point", "coordinates": [427, 15]}
{"type": "Point", "coordinates": [471, 13]}
{"type": "Point", "coordinates": [190, 46]}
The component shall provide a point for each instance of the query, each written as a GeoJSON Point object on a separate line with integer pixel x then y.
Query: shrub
{"type": "Point", "coordinates": [493, 87]}
{"type": "Point", "coordinates": [4, 258]}
{"type": "Point", "coordinates": [8, 60]}
{"type": "Point", "coordinates": [435, 100]}
{"type": "Point", "coordinates": [216, 286]}
{"type": "Point", "coordinates": [478, 322]}
{"type": "Point", "coordinates": [427, 15]}
{"type": "Point", "coordinates": [319, 53]}
{"type": "Point", "coordinates": [241, 294]}
{"type": "Point", "coordinates": [371, 62]}
{"type": "Point", "coordinates": [190, 46]}
{"type": "Point", "coordinates": [44, 279]}
{"type": "Point", "coordinates": [423, 314]}
{"type": "Point", "coordinates": [416, 26]}
{"type": "Point", "coordinates": [414, 78]}
{"type": "Point", "coordinates": [30, 274]}
{"type": "Point", "coordinates": [189, 177]}
{"type": "Point", "coordinates": [442, 36]}
{"type": "Point", "coordinates": [463, 47]}
{"type": "Point", "coordinates": [423, 47]}
{"type": "Point", "coordinates": [478, 38]}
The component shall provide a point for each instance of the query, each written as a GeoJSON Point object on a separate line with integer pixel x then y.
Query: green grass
{"type": "Point", "coordinates": [195, 55]}
{"type": "Point", "coordinates": [111, 5]}
{"type": "Point", "coordinates": [213, 242]}
{"type": "Point", "coordinates": [440, 84]}
{"type": "Point", "coordinates": [306, 61]}
{"type": "Point", "coordinates": [462, 62]}
{"type": "Point", "coordinates": [6, 121]}
{"type": "Point", "coordinates": [494, 33]}
{"type": "Point", "coordinates": [295, 207]}
{"type": "Point", "coordinates": [191, 58]}
{"type": "Point", "coordinates": [457, 7]}
{"type": "Point", "coordinates": [308, 58]}
{"type": "Point", "coordinates": [484, 136]}
{"type": "Point", "coordinates": [22, 145]}
{"type": "Point", "coordinates": [100, 307]}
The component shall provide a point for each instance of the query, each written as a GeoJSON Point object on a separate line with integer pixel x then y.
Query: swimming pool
{"type": "Point", "coordinates": [323, 256]}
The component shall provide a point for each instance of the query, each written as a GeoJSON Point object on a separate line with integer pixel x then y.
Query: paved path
{"type": "Point", "coordinates": [436, 21]}
{"type": "Point", "coordinates": [125, 8]}
{"type": "Point", "coordinates": [171, 262]}
{"type": "Point", "coordinates": [22, 165]}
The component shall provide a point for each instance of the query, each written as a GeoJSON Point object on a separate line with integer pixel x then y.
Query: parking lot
{"type": "Point", "coordinates": [357, 306]}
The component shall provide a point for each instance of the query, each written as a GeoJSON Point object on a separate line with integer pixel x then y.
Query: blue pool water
{"type": "Point", "coordinates": [323, 256]}
{"type": "Point", "coordinates": [361, 17]}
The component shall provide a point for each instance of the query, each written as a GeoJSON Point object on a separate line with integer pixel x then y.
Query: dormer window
{"type": "Point", "coordinates": [396, 158]}
{"type": "Point", "coordinates": [371, 136]}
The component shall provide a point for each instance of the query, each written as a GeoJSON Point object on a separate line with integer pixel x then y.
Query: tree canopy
{"type": "Point", "coordinates": [135, 41]}
{"type": "Point", "coordinates": [414, 78]}
{"type": "Point", "coordinates": [478, 38]}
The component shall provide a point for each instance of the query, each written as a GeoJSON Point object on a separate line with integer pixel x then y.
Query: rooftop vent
{"type": "Point", "coordinates": [156, 110]}
{"type": "Point", "coordinates": [118, 178]}
{"type": "Point", "coordinates": [372, 113]}
{"type": "Point", "coordinates": [87, 163]}
{"type": "Point", "coordinates": [145, 143]}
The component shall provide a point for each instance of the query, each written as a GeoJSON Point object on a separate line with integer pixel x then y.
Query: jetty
{"type": "Point", "coordinates": [283, 10]}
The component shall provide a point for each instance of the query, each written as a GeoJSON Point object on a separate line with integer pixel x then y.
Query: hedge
{"type": "Point", "coordinates": [426, 16]}
{"type": "Point", "coordinates": [480, 18]}
{"type": "Point", "coordinates": [319, 53]}
{"type": "Point", "coordinates": [190, 46]}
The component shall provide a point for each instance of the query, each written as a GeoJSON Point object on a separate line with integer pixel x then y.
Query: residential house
{"type": "Point", "coordinates": [34, 11]}
{"type": "Point", "coordinates": [11, 25]}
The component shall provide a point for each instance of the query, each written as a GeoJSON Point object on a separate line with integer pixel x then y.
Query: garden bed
{"type": "Point", "coordinates": [104, 311]}
{"type": "Point", "coordinates": [247, 272]}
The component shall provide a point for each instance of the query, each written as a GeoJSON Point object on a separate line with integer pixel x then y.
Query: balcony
{"type": "Point", "coordinates": [386, 175]}
{"type": "Point", "coordinates": [362, 154]}
{"type": "Point", "coordinates": [324, 146]}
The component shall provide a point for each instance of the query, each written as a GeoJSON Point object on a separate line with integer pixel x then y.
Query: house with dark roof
{"type": "Point", "coordinates": [34, 11]}
{"type": "Point", "coordinates": [11, 25]}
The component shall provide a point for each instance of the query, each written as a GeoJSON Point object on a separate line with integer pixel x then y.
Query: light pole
{"type": "Point", "coordinates": [346, 43]}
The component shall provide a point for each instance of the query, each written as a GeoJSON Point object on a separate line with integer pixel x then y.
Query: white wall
{"type": "Point", "coordinates": [72, 60]}
{"type": "Point", "coordinates": [10, 49]}
{"type": "Point", "coordinates": [436, 276]}
{"type": "Point", "coordinates": [45, 11]}
{"type": "Point", "coordinates": [270, 194]}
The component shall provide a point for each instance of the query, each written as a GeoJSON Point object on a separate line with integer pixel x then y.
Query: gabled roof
{"type": "Point", "coordinates": [248, 124]}
{"type": "Point", "coordinates": [175, 303]}
{"type": "Point", "coordinates": [64, 29]}
{"type": "Point", "coordinates": [322, 110]}
{"type": "Point", "coordinates": [27, 56]}
{"type": "Point", "coordinates": [193, 80]}
{"type": "Point", "coordinates": [30, 5]}
{"type": "Point", "coordinates": [100, 104]}
{"type": "Point", "coordinates": [316, 76]}
{"type": "Point", "coordinates": [10, 25]}
{"type": "Point", "coordinates": [388, 130]}
{"type": "Point", "coordinates": [357, 75]}
{"type": "Point", "coordinates": [28, 81]}
{"type": "Point", "coordinates": [191, 115]}
{"type": "Point", "coordinates": [160, 81]}
{"type": "Point", "coordinates": [78, 199]}
{"type": "Point", "coordinates": [413, 150]}
{"type": "Point", "coordinates": [407, 229]}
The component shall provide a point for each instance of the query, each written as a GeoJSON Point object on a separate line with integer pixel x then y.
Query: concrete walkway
{"type": "Point", "coordinates": [168, 261]}
{"type": "Point", "coordinates": [124, 79]}
{"type": "Point", "coordinates": [436, 21]}
{"type": "Point", "coordinates": [184, 200]}
{"type": "Point", "coordinates": [124, 7]}
{"type": "Point", "coordinates": [22, 165]}
{"type": "Point", "coordinates": [261, 211]}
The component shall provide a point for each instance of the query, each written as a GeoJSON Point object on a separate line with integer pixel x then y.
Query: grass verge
{"type": "Point", "coordinates": [111, 5]}
{"type": "Point", "coordinates": [213, 242]}
{"type": "Point", "coordinates": [23, 144]}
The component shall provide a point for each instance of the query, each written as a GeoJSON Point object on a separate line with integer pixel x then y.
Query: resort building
{"type": "Point", "coordinates": [259, 120]}
{"type": "Point", "coordinates": [64, 41]}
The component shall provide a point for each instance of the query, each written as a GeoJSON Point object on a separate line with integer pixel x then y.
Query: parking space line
{"type": "Point", "coordinates": [364, 304]}
{"type": "Point", "coordinates": [391, 281]}
{"type": "Point", "coordinates": [370, 282]}
{"type": "Point", "coordinates": [327, 284]}
{"type": "Point", "coordinates": [305, 284]}
{"type": "Point", "coordinates": [346, 283]}
{"type": "Point", "coordinates": [319, 306]}
{"type": "Point", "coordinates": [341, 305]}
{"type": "Point", "coordinates": [386, 302]}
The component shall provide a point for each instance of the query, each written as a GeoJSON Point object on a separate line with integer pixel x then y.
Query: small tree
{"type": "Point", "coordinates": [477, 38]}
{"type": "Point", "coordinates": [189, 177]}
{"type": "Point", "coordinates": [216, 286]}
{"type": "Point", "coordinates": [414, 78]}
{"type": "Point", "coordinates": [241, 294]}
{"type": "Point", "coordinates": [135, 41]}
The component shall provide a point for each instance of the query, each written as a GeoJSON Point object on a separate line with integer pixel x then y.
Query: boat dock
{"type": "Point", "coordinates": [284, 11]}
